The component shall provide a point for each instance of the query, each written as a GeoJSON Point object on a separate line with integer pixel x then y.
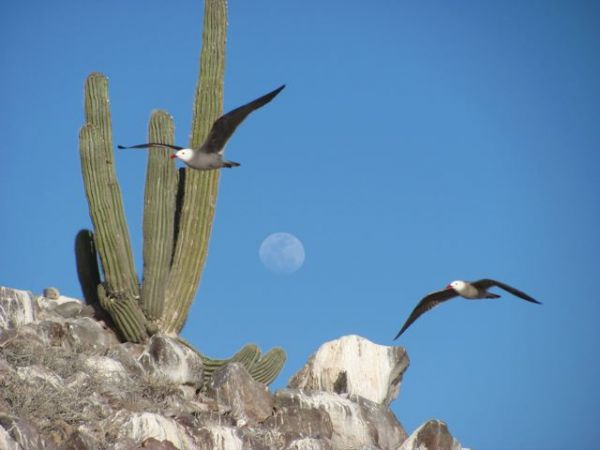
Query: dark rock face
{"type": "Point", "coordinates": [249, 401]}
{"type": "Point", "coordinates": [68, 384]}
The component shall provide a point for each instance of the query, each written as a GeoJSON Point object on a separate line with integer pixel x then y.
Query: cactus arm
{"type": "Point", "coordinates": [88, 273]}
{"type": "Point", "coordinates": [126, 314]}
{"type": "Point", "coordinates": [266, 369]}
{"type": "Point", "coordinates": [87, 266]}
{"type": "Point", "coordinates": [159, 215]}
{"type": "Point", "coordinates": [198, 205]}
{"type": "Point", "coordinates": [103, 193]}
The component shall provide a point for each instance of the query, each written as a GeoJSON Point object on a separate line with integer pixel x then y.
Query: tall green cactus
{"type": "Point", "coordinates": [200, 188]}
{"type": "Point", "coordinates": [178, 214]}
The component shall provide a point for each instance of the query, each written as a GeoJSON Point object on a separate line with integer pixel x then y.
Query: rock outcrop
{"type": "Point", "coordinates": [67, 383]}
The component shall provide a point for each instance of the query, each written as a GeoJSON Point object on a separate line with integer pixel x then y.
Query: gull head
{"type": "Point", "coordinates": [185, 154]}
{"type": "Point", "coordinates": [458, 285]}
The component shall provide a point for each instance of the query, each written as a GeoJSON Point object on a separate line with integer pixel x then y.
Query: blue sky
{"type": "Point", "coordinates": [416, 143]}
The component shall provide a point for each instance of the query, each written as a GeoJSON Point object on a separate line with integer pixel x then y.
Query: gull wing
{"type": "Point", "coordinates": [225, 125]}
{"type": "Point", "coordinates": [428, 302]}
{"type": "Point", "coordinates": [487, 283]}
{"type": "Point", "coordinates": [152, 144]}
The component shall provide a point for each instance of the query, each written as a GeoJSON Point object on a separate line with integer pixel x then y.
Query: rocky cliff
{"type": "Point", "coordinates": [67, 383]}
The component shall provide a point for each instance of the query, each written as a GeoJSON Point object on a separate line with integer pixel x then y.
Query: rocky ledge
{"type": "Point", "coordinates": [68, 383]}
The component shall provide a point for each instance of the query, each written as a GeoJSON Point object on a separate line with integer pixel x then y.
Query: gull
{"type": "Point", "coordinates": [209, 155]}
{"type": "Point", "coordinates": [470, 290]}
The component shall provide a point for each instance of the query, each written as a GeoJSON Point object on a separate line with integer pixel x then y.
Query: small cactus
{"type": "Point", "coordinates": [266, 369]}
{"type": "Point", "coordinates": [263, 369]}
{"type": "Point", "coordinates": [247, 356]}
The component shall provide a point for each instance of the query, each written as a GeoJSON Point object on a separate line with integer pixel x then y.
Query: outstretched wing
{"type": "Point", "coordinates": [487, 283]}
{"type": "Point", "coordinates": [152, 144]}
{"type": "Point", "coordinates": [225, 125]}
{"type": "Point", "coordinates": [428, 302]}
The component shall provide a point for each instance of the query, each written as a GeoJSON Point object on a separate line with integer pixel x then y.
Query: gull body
{"type": "Point", "coordinates": [474, 290]}
{"type": "Point", "coordinates": [209, 155]}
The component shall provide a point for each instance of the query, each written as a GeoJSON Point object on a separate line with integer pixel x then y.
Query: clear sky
{"type": "Point", "coordinates": [416, 143]}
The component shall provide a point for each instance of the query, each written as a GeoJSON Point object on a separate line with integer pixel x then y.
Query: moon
{"type": "Point", "coordinates": [282, 253]}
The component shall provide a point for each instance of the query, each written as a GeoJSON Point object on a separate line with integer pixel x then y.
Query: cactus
{"type": "Point", "coordinates": [247, 356]}
{"type": "Point", "coordinates": [159, 215]}
{"type": "Point", "coordinates": [102, 190]}
{"type": "Point", "coordinates": [263, 369]}
{"type": "Point", "coordinates": [88, 272]}
{"type": "Point", "coordinates": [178, 215]}
{"type": "Point", "coordinates": [200, 191]}
{"type": "Point", "coordinates": [266, 369]}
{"type": "Point", "coordinates": [87, 265]}
{"type": "Point", "coordinates": [127, 315]}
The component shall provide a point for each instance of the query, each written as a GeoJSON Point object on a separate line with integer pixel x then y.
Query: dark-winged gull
{"type": "Point", "coordinates": [469, 290]}
{"type": "Point", "coordinates": [209, 155]}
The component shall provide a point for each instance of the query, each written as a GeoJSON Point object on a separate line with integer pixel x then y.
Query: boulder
{"type": "Point", "coordinates": [155, 444]}
{"type": "Point", "coordinates": [356, 366]}
{"type": "Point", "coordinates": [346, 423]}
{"type": "Point", "coordinates": [88, 333]}
{"type": "Point", "coordinates": [249, 401]}
{"type": "Point", "coordinates": [309, 444]}
{"type": "Point", "coordinates": [80, 439]}
{"type": "Point", "coordinates": [25, 434]}
{"type": "Point", "coordinates": [168, 359]}
{"type": "Point", "coordinates": [7, 442]}
{"type": "Point", "coordinates": [432, 435]}
{"type": "Point", "coordinates": [218, 437]}
{"type": "Point", "coordinates": [17, 308]}
{"type": "Point", "coordinates": [139, 427]}
{"type": "Point", "coordinates": [107, 370]}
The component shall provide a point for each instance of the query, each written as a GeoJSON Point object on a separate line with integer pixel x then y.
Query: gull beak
{"type": "Point", "coordinates": [173, 156]}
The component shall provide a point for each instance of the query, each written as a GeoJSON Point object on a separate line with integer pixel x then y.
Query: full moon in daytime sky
{"type": "Point", "coordinates": [282, 253]}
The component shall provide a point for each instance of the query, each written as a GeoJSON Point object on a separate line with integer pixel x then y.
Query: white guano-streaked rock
{"type": "Point", "coordinates": [432, 435]}
{"type": "Point", "coordinates": [7, 442]}
{"type": "Point", "coordinates": [347, 423]}
{"type": "Point", "coordinates": [217, 437]}
{"type": "Point", "coordinates": [106, 368]}
{"type": "Point", "coordinates": [141, 426]}
{"type": "Point", "coordinates": [17, 308]}
{"type": "Point", "coordinates": [356, 366]}
{"type": "Point", "coordinates": [309, 444]}
{"type": "Point", "coordinates": [35, 375]}
{"type": "Point", "coordinates": [168, 359]}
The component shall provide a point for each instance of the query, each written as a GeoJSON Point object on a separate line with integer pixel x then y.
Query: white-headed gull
{"type": "Point", "coordinates": [469, 290]}
{"type": "Point", "coordinates": [210, 154]}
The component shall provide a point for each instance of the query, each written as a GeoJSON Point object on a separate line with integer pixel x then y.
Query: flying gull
{"type": "Point", "coordinates": [210, 154]}
{"type": "Point", "coordinates": [469, 290]}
